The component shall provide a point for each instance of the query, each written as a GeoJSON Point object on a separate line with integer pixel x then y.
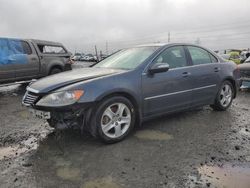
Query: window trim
{"type": "Point", "coordinates": [151, 63]}
{"type": "Point", "coordinates": [209, 53]}
{"type": "Point", "coordinates": [31, 51]}
{"type": "Point", "coordinates": [65, 51]}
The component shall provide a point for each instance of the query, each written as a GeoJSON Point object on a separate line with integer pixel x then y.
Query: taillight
{"type": "Point", "coordinates": [71, 61]}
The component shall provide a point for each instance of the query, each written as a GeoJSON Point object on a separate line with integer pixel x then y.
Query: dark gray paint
{"type": "Point", "coordinates": [154, 94]}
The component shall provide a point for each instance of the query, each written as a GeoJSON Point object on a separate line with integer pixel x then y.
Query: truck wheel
{"type": "Point", "coordinates": [224, 97]}
{"type": "Point", "coordinates": [55, 71]}
{"type": "Point", "coordinates": [114, 119]}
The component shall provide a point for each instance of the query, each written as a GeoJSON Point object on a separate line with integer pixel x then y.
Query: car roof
{"type": "Point", "coordinates": [36, 41]}
{"type": "Point", "coordinates": [44, 42]}
{"type": "Point", "coordinates": [166, 44]}
{"type": "Point", "coordinates": [152, 45]}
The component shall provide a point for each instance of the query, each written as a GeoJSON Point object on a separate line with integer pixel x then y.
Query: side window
{"type": "Point", "coordinates": [4, 51]}
{"type": "Point", "coordinates": [199, 56]}
{"type": "Point", "coordinates": [19, 47]}
{"type": "Point", "coordinates": [51, 49]}
{"type": "Point", "coordinates": [174, 56]}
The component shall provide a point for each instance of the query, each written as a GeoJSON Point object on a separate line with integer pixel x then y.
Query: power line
{"type": "Point", "coordinates": [214, 36]}
{"type": "Point", "coordinates": [246, 24]}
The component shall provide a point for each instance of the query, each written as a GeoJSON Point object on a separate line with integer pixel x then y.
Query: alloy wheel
{"type": "Point", "coordinates": [226, 95]}
{"type": "Point", "coordinates": [116, 120]}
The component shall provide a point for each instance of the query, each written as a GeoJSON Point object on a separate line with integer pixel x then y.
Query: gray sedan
{"type": "Point", "coordinates": [132, 86]}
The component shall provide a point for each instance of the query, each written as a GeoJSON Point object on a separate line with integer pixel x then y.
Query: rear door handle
{"type": "Point", "coordinates": [216, 69]}
{"type": "Point", "coordinates": [186, 74]}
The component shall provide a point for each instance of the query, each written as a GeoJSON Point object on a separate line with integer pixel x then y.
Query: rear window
{"type": "Point", "coordinates": [200, 56]}
{"type": "Point", "coordinates": [47, 49]}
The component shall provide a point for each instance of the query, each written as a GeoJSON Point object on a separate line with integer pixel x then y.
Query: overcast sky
{"type": "Point", "coordinates": [80, 24]}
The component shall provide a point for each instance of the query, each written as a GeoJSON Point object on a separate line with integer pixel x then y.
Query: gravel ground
{"type": "Point", "coordinates": [199, 148]}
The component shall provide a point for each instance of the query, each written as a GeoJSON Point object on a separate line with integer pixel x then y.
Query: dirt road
{"type": "Point", "coordinates": [199, 148]}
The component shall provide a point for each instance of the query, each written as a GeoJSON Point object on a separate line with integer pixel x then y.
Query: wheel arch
{"type": "Point", "coordinates": [130, 97]}
{"type": "Point", "coordinates": [58, 66]}
{"type": "Point", "coordinates": [90, 113]}
{"type": "Point", "coordinates": [233, 82]}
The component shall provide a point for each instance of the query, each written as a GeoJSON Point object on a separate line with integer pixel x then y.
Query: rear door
{"type": "Point", "coordinates": [25, 59]}
{"type": "Point", "coordinates": [167, 91]}
{"type": "Point", "coordinates": [205, 77]}
{"type": "Point", "coordinates": [7, 68]}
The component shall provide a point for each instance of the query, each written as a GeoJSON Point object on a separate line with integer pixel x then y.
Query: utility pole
{"type": "Point", "coordinates": [197, 41]}
{"type": "Point", "coordinates": [168, 37]}
{"type": "Point", "coordinates": [96, 53]}
{"type": "Point", "coordinates": [100, 55]}
{"type": "Point", "coordinates": [107, 48]}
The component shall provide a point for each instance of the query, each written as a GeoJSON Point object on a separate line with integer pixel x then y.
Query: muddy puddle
{"type": "Point", "coordinates": [69, 173]}
{"type": "Point", "coordinates": [226, 176]}
{"type": "Point", "coordinates": [101, 183]}
{"type": "Point", "coordinates": [153, 135]}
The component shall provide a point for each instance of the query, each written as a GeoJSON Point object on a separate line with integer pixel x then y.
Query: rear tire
{"type": "Point", "coordinates": [114, 119]}
{"type": "Point", "coordinates": [224, 97]}
{"type": "Point", "coordinates": [55, 71]}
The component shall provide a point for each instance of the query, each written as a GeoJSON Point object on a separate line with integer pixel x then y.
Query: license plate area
{"type": "Point", "coordinates": [40, 114]}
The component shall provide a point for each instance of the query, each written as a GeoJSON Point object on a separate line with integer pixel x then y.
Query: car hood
{"type": "Point", "coordinates": [57, 81]}
{"type": "Point", "coordinates": [244, 66]}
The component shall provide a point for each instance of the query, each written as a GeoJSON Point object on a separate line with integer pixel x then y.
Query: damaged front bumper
{"type": "Point", "coordinates": [71, 116]}
{"type": "Point", "coordinates": [74, 116]}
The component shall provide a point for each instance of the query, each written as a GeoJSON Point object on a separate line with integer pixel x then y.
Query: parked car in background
{"type": "Point", "coordinates": [244, 55]}
{"type": "Point", "coordinates": [77, 56]}
{"type": "Point", "coordinates": [235, 57]}
{"type": "Point", "coordinates": [22, 60]}
{"type": "Point", "coordinates": [132, 86]}
{"type": "Point", "coordinates": [232, 56]}
{"type": "Point", "coordinates": [245, 70]}
{"type": "Point", "coordinates": [88, 57]}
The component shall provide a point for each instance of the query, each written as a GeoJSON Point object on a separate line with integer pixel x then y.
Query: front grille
{"type": "Point", "coordinates": [29, 98]}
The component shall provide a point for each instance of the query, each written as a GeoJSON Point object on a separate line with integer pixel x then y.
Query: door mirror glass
{"type": "Point", "coordinates": [159, 67]}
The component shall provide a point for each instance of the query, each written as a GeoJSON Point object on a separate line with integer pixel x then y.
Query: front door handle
{"type": "Point", "coordinates": [186, 74]}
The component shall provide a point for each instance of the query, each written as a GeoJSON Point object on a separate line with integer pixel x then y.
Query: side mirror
{"type": "Point", "coordinates": [159, 67]}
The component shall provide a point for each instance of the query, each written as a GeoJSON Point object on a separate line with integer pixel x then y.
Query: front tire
{"type": "Point", "coordinates": [114, 119]}
{"type": "Point", "coordinates": [224, 97]}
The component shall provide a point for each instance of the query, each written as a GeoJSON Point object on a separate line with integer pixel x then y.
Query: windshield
{"type": "Point", "coordinates": [128, 58]}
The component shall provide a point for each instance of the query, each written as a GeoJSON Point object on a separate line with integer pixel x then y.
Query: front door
{"type": "Point", "coordinates": [167, 91]}
{"type": "Point", "coordinates": [7, 68]}
{"type": "Point", "coordinates": [25, 59]}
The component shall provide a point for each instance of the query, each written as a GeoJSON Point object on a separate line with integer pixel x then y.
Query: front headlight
{"type": "Point", "coordinates": [63, 98]}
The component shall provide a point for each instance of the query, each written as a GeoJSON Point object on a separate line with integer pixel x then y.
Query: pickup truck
{"type": "Point", "coordinates": [27, 59]}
